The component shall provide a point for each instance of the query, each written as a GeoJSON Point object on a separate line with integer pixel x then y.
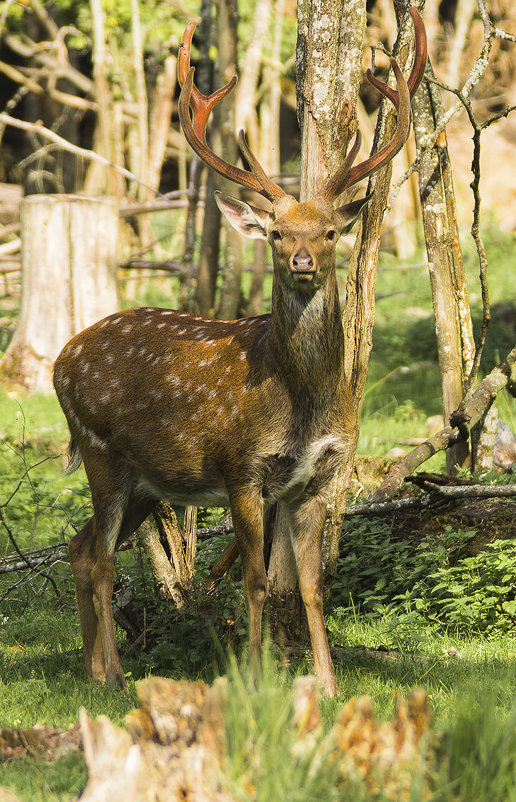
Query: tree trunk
{"type": "Point", "coordinates": [452, 317]}
{"type": "Point", "coordinates": [245, 102]}
{"type": "Point", "coordinates": [141, 129]}
{"type": "Point", "coordinates": [268, 150]}
{"type": "Point", "coordinates": [69, 258]}
{"type": "Point", "coordinates": [106, 135]}
{"type": "Point", "coordinates": [329, 65]}
{"type": "Point", "coordinates": [227, 41]}
{"type": "Point", "coordinates": [209, 255]}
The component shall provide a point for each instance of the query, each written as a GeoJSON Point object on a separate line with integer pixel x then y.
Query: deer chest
{"type": "Point", "coordinates": [288, 477]}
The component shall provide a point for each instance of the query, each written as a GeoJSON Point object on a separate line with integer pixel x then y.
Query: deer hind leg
{"type": "Point", "coordinates": [247, 514]}
{"type": "Point", "coordinates": [82, 559]}
{"type": "Point", "coordinates": [307, 526]}
{"type": "Point", "coordinates": [116, 517]}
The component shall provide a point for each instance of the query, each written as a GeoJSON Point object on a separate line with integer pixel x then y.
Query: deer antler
{"type": "Point", "coordinates": [345, 176]}
{"type": "Point", "coordinates": [195, 130]}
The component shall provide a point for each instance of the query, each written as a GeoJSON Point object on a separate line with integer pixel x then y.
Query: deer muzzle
{"type": "Point", "coordinates": [302, 265]}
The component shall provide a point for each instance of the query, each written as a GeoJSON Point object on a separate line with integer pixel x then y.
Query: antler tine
{"type": "Point", "coordinates": [270, 189]}
{"type": "Point", "coordinates": [195, 130]}
{"type": "Point", "coordinates": [418, 67]}
{"type": "Point", "coordinates": [202, 105]}
{"type": "Point", "coordinates": [346, 176]}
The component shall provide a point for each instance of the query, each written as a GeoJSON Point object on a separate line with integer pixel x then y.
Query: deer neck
{"type": "Point", "coordinates": [306, 341]}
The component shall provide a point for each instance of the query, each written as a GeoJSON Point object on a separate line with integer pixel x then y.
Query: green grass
{"type": "Point", "coordinates": [472, 701]}
{"type": "Point", "coordinates": [37, 781]}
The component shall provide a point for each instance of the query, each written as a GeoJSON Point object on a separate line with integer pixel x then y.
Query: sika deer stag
{"type": "Point", "coordinates": [164, 404]}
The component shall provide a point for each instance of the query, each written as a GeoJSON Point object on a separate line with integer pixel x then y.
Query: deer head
{"type": "Point", "coordinates": [303, 236]}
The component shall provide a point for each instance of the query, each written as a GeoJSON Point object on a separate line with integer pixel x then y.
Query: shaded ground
{"type": "Point", "coordinates": [492, 519]}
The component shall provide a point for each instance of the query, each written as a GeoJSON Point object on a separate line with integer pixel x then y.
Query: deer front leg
{"type": "Point", "coordinates": [247, 514]}
{"type": "Point", "coordinates": [307, 526]}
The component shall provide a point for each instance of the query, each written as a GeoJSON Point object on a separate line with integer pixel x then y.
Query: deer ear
{"type": "Point", "coordinates": [246, 219]}
{"type": "Point", "coordinates": [348, 214]}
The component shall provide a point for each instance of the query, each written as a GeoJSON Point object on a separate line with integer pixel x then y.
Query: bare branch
{"type": "Point", "coordinates": [490, 34]}
{"type": "Point", "coordinates": [37, 128]}
{"type": "Point", "coordinates": [472, 491]}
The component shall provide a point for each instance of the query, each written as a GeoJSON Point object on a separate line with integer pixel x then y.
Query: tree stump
{"type": "Point", "coordinates": [69, 258]}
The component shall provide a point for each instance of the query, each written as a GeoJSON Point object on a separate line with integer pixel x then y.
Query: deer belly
{"type": "Point", "coordinates": [184, 491]}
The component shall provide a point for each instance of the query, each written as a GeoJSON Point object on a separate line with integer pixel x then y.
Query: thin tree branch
{"type": "Point", "coordinates": [37, 128]}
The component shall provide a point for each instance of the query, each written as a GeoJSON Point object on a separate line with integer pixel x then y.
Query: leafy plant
{"type": "Point", "coordinates": [430, 583]}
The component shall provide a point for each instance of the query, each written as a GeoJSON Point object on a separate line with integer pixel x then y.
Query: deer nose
{"type": "Point", "coordinates": [302, 262]}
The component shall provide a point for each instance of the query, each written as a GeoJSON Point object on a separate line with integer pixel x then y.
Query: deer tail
{"type": "Point", "coordinates": [74, 458]}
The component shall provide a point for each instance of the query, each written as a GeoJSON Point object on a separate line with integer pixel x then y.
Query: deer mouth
{"type": "Point", "coordinates": [304, 276]}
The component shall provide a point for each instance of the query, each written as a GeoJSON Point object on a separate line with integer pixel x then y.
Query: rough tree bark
{"type": "Point", "coordinates": [451, 309]}
{"type": "Point", "coordinates": [69, 258]}
{"type": "Point", "coordinates": [329, 66]}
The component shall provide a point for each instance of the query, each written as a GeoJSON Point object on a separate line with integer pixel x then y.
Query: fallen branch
{"type": "Point", "coordinates": [471, 491]}
{"type": "Point", "coordinates": [478, 402]}
{"type": "Point", "coordinates": [437, 496]}
{"type": "Point", "coordinates": [7, 567]}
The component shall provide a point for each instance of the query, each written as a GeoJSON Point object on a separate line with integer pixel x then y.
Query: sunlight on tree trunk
{"type": "Point", "coordinates": [329, 66]}
{"type": "Point", "coordinates": [69, 258]}
{"type": "Point", "coordinates": [229, 304]}
{"type": "Point", "coordinates": [451, 309]}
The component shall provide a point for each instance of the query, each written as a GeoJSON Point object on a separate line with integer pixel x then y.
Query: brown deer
{"type": "Point", "coordinates": [168, 405]}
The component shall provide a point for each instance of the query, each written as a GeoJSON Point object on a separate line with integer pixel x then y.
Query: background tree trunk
{"type": "Point", "coordinates": [107, 134]}
{"type": "Point", "coordinates": [227, 19]}
{"type": "Point", "coordinates": [69, 258]}
{"type": "Point", "coordinates": [329, 66]}
{"type": "Point", "coordinates": [452, 316]}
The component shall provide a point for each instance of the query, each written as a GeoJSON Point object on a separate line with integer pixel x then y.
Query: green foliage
{"type": "Point", "coordinates": [261, 759]}
{"type": "Point", "coordinates": [425, 585]}
{"type": "Point", "coordinates": [478, 759]}
{"type": "Point", "coordinates": [36, 781]}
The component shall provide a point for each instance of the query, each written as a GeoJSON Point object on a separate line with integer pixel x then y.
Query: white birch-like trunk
{"type": "Point", "coordinates": [69, 258]}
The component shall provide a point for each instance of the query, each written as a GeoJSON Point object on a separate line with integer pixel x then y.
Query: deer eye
{"type": "Point", "coordinates": [276, 235]}
{"type": "Point", "coordinates": [331, 235]}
